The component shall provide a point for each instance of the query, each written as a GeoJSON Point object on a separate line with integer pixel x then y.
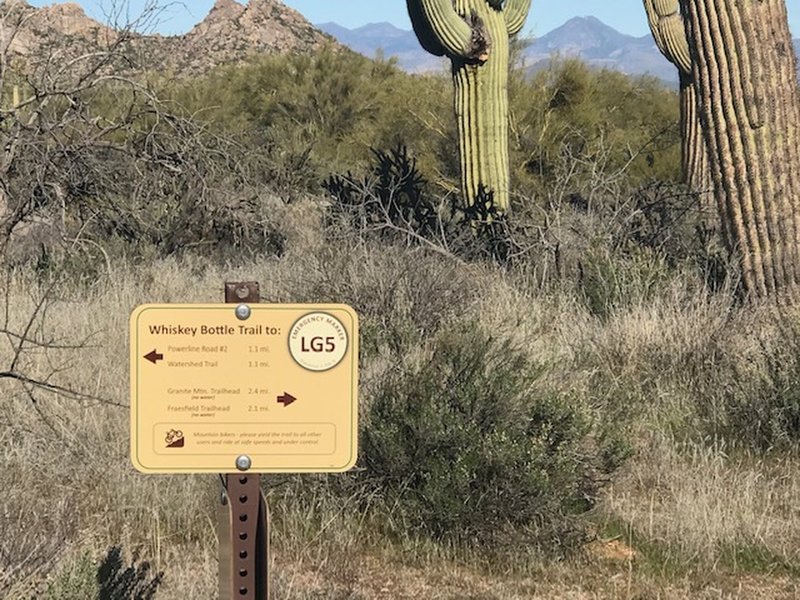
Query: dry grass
{"type": "Point", "coordinates": [699, 523]}
{"type": "Point", "coordinates": [703, 509]}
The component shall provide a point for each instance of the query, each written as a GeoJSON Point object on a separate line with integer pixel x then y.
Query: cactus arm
{"type": "Point", "coordinates": [667, 26]}
{"type": "Point", "coordinates": [669, 32]}
{"type": "Point", "coordinates": [459, 37]}
{"type": "Point", "coordinates": [427, 39]}
{"type": "Point", "coordinates": [466, 31]}
{"type": "Point", "coordinates": [515, 12]}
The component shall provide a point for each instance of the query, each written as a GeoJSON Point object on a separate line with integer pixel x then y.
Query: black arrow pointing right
{"type": "Point", "coordinates": [286, 399]}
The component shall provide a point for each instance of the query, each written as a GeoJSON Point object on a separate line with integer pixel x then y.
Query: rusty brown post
{"type": "Point", "coordinates": [243, 516]}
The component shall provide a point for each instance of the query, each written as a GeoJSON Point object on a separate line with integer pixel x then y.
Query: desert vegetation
{"type": "Point", "coordinates": [568, 400]}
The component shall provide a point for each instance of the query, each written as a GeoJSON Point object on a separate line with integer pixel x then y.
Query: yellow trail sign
{"type": "Point", "coordinates": [276, 383]}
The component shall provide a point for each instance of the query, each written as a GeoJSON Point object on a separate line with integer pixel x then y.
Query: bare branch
{"type": "Point", "coordinates": [61, 390]}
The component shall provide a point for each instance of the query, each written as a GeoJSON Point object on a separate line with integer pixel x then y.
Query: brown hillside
{"type": "Point", "coordinates": [232, 31]}
{"type": "Point", "coordinates": [229, 33]}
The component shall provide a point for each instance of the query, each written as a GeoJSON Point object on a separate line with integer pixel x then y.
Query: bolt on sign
{"type": "Point", "coordinates": [277, 383]}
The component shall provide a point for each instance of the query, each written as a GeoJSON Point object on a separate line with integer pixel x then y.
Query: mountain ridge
{"type": "Point", "coordinates": [587, 38]}
{"type": "Point", "coordinates": [229, 33]}
{"type": "Point", "coordinates": [584, 37]}
{"type": "Point", "coordinates": [393, 41]}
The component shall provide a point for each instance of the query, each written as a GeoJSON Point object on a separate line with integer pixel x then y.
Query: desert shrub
{"type": "Point", "coordinates": [306, 115]}
{"type": "Point", "coordinates": [155, 182]}
{"type": "Point", "coordinates": [309, 116]}
{"type": "Point", "coordinates": [756, 404]}
{"type": "Point", "coordinates": [118, 582]}
{"type": "Point", "coordinates": [75, 581]}
{"type": "Point", "coordinates": [83, 579]}
{"type": "Point", "coordinates": [182, 188]}
{"type": "Point", "coordinates": [389, 201]}
{"type": "Point", "coordinates": [401, 295]}
{"type": "Point", "coordinates": [663, 217]}
{"type": "Point", "coordinates": [634, 245]}
{"type": "Point", "coordinates": [589, 131]}
{"type": "Point", "coordinates": [393, 202]}
{"type": "Point", "coordinates": [667, 219]}
{"type": "Point", "coordinates": [611, 280]}
{"type": "Point", "coordinates": [467, 446]}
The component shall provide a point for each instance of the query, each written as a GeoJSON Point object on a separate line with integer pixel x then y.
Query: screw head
{"type": "Point", "coordinates": [242, 312]}
{"type": "Point", "coordinates": [223, 499]}
{"type": "Point", "coordinates": [243, 462]}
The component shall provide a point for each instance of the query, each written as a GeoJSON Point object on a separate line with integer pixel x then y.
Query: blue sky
{"type": "Point", "coordinates": [626, 16]}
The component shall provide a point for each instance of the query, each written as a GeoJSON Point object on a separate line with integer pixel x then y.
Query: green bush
{"type": "Point", "coordinates": [757, 405]}
{"type": "Point", "coordinates": [466, 446]}
{"type": "Point", "coordinates": [75, 581]}
{"type": "Point", "coordinates": [309, 116]}
{"type": "Point", "coordinates": [591, 131]}
{"type": "Point", "coordinates": [611, 280]}
{"type": "Point", "coordinates": [82, 579]}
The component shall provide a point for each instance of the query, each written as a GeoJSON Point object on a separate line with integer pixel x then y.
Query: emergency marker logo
{"type": "Point", "coordinates": [318, 341]}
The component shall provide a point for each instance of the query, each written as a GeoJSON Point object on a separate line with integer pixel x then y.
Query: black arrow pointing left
{"type": "Point", "coordinates": [154, 356]}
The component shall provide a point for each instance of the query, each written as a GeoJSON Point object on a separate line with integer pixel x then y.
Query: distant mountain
{"type": "Point", "coordinates": [232, 31]}
{"type": "Point", "coordinates": [584, 37]}
{"type": "Point", "coordinates": [392, 41]}
{"type": "Point", "coordinates": [601, 46]}
{"type": "Point", "coordinates": [587, 38]}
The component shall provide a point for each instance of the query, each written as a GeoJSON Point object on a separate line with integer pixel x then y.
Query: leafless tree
{"type": "Point", "coordinates": [80, 129]}
{"type": "Point", "coordinates": [87, 142]}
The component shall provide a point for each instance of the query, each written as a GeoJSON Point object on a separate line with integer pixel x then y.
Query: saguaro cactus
{"type": "Point", "coordinates": [745, 72]}
{"type": "Point", "coordinates": [475, 35]}
{"type": "Point", "coordinates": [668, 28]}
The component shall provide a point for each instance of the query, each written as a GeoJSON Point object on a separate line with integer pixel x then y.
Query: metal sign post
{"type": "Point", "coordinates": [247, 386]}
{"type": "Point", "coordinates": [243, 524]}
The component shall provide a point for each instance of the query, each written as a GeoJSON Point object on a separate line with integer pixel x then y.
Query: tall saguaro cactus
{"type": "Point", "coordinates": [475, 35]}
{"type": "Point", "coordinates": [745, 70]}
{"type": "Point", "coordinates": [668, 28]}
